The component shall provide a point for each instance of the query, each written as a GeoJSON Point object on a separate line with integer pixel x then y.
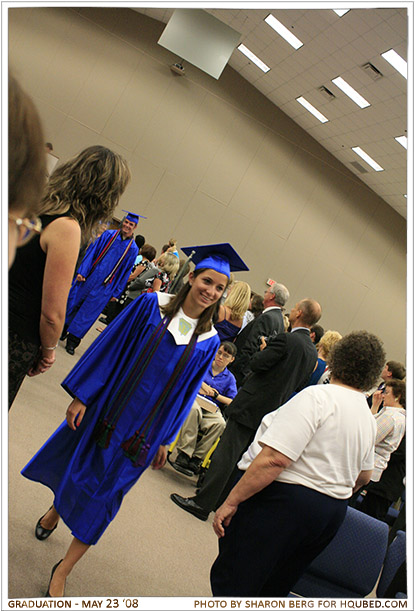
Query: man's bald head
{"type": "Point", "coordinates": [305, 313]}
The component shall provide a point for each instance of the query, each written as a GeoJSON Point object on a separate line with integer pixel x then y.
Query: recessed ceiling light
{"type": "Point", "coordinates": [349, 91]}
{"type": "Point", "coordinates": [396, 61]}
{"type": "Point", "coordinates": [312, 109]}
{"type": "Point", "coordinates": [367, 159]}
{"type": "Point", "coordinates": [341, 12]}
{"type": "Point", "coordinates": [254, 58]}
{"type": "Point", "coordinates": [283, 31]}
{"type": "Point", "coordinates": [402, 141]}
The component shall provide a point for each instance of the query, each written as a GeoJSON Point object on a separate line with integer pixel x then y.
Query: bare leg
{"type": "Point", "coordinates": [75, 551]}
{"type": "Point", "coordinates": [50, 519]}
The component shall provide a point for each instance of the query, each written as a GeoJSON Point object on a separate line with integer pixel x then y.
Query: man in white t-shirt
{"type": "Point", "coordinates": [302, 467]}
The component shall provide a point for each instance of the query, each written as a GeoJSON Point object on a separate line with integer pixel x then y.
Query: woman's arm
{"type": "Point", "coordinates": [140, 268]}
{"type": "Point", "coordinates": [156, 284]}
{"type": "Point", "coordinates": [263, 470]}
{"type": "Point", "coordinates": [60, 241]}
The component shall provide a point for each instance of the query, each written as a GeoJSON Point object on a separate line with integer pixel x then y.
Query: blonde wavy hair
{"type": "Point", "coordinates": [87, 187]}
{"type": "Point", "coordinates": [169, 263]}
{"type": "Point", "coordinates": [238, 299]}
{"type": "Point", "coordinates": [327, 341]}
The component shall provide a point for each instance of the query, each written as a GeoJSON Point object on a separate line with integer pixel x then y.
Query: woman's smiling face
{"type": "Point", "coordinates": [205, 289]}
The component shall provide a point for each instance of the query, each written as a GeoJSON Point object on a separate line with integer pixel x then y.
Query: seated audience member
{"type": "Point", "coordinates": [178, 283]}
{"type": "Point", "coordinates": [256, 306]}
{"type": "Point", "coordinates": [392, 369]}
{"type": "Point", "coordinates": [220, 387]}
{"type": "Point", "coordinates": [316, 333]}
{"type": "Point", "coordinates": [322, 374]}
{"type": "Point", "coordinates": [27, 168]}
{"type": "Point", "coordinates": [139, 240]}
{"type": "Point", "coordinates": [390, 424]}
{"type": "Point", "coordinates": [168, 265]}
{"type": "Point", "coordinates": [232, 311]}
{"type": "Point", "coordinates": [173, 247]}
{"type": "Point", "coordinates": [147, 267]}
{"type": "Point", "coordinates": [298, 475]}
{"type": "Point", "coordinates": [113, 308]}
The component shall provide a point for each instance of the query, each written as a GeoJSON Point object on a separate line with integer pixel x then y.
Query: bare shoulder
{"type": "Point", "coordinates": [64, 230]}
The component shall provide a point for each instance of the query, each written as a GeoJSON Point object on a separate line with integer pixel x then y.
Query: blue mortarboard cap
{"type": "Point", "coordinates": [219, 257]}
{"type": "Point", "coordinates": [133, 216]}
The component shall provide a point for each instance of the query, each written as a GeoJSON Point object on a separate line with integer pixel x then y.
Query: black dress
{"type": "Point", "coordinates": [25, 303]}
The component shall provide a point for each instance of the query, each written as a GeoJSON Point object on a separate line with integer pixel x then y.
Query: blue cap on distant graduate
{"type": "Point", "coordinates": [133, 216]}
{"type": "Point", "coordinates": [219, 257]}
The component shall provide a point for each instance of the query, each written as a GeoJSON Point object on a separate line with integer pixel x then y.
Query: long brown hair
{"type": "Point", "coordinates": [87, 187]}
{"type": "Point", "coordinates": [208, 316]}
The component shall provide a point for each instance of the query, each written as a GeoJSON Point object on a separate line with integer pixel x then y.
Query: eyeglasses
{"type": "Point", "coordinates": [26, 228]}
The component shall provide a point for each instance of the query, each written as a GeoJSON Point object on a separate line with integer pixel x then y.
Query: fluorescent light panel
{"type": "Point", "coordinates": [341, 12]}
{"type": "Point", "coordinates": [283, 31]}
{"type": "Point", "coordinates": [349, 91]}
{"type": "Point", "coordinates": [396, 61]}
{"type": "Point", "coordinates": [367, 159]}
{"type": "Point", "coordinates": [311, 109]}
{"type": "Point", "coordinates": [254, 58]}
{"type": "Point", "coordinates": [402, 141]}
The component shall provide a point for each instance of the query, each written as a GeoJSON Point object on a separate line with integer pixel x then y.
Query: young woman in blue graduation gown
{"type": "Point", "coordinates": [132, 391]}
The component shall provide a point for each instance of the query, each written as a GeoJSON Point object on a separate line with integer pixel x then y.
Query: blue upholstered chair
{"type": "Point", "coordinates": [395, 556]}
{"type": "Point", "coordinates": [350, 565]}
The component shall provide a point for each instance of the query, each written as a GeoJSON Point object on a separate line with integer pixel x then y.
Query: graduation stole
{"type": "Point", "coordinates": [105, 250]}
{"type": "Point", "coordinates": [137, 446]}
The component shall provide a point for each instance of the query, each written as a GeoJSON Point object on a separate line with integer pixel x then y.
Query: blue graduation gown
{"type": "Point", "coordinates": [89, 482]}
{"type": "Point", "coordinates": [87, 298]}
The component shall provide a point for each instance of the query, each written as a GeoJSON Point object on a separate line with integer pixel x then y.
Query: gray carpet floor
{"type": "Point", "coordinates": [152, 548]}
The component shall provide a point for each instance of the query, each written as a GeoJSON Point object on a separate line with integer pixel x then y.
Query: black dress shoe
{"type": "Point", "coordinates": [70, 349]}
{"type": "Point", "coordinates": [40, 532]}
{"type": "Point", "coordinates": [182, 459]}
{"type": "Point", "coordinates": [194, 465]}
{"type": "Point", "coordinates": [187, 503]}
{"type": "Point", "coordinates": [47, 594]}
{"type": "Point", "coordinates": [182, 469]}
{"type": "Point", "coordinates": [103, 320]}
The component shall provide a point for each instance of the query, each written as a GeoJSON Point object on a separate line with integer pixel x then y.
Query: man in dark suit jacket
{"type": "Point", "coordinates": [283, 365]}
{"type": "Point", "coordinates": [269, 323]}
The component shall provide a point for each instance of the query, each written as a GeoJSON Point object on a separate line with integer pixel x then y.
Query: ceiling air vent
{"type": "Point", "coordinates": [359, 167]}
{"type": "Point", "coordinates": [372, 71]}
{"type": "Point", "coordinates": [326, 93]}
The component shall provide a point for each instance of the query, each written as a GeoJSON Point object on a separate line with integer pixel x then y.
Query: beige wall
{"type": "Point", "coordinates": [215, 161]}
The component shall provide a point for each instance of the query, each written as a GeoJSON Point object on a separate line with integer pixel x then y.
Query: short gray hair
{"type": "Point", "coordinates": [281, 293]}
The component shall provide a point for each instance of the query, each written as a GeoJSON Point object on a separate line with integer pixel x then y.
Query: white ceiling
{"type": "Point", "coordinates": [333, 46]}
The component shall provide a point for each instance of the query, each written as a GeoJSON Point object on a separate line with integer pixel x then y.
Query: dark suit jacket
{"type": "Point", "coordinates": [267, 324]}
{"type": "Point", "coordinates": [284, 366]}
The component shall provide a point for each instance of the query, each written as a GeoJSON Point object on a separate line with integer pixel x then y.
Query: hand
{"type": "Point", "coordinates": [263, 343]}
{"type": "Point", "coordinates": [42, 363]}
{"type": "Point", "coordinates": [113, 299]}
{"type": "Point", "coordinates": [206, 389]}
{"type": "Point", "coordinates": [160, 458]}
{"type": "Point", "coordinates": [81, 278]}
{"type": "Point", "coordinates": [223, 517]}
{"type": "Point", "coordinates": [75, 413]}
{"type": "Point", "coordinates": [377, 400]}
